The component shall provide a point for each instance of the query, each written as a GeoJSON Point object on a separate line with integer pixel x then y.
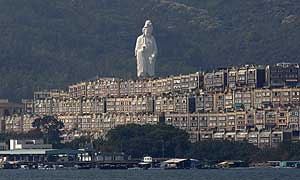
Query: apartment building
{"type": "Point", "coordinates": [248, 76]}
{"type": "Point", "coordinates": [256, 76]}
{"type": "Point", "coordinates": [47, 102]}
{"type": "Point", "coordinates": [93, 105]}
{"type": "Point", "coordinates": [13, 123]}
{"type": "Point", "coordinates": [205, 102]}
{"type": "Point", "coordinates": [283, 75]}
{"type": "Point", "coordinates": [9, 108]}
{"type": "Point", "coordinates": [175, 103]}
{"type": "Point", "coordinates": [28, 119]}
{"type": "Point", "coordinates": [223, 104]}
{"type": "Point", "coordinates": [209, 127]}
{"type": "Point", "coordinates": [102, 123]}
{"type": "Point", "coordinates": [243, 99]}
{"type": "Point", "coordinates": [28, 106]}
{"type": "Point", "coordinates": [276, 97]}
{"type": "Point", "coordinates": [224, 101]}
{"type": "Point", "coordinates": [78, 90]}
{"type": "Point", "coordinates": [219, 102]}
{"type": "Point", "coordinates": [136, 104]}
{"type": "Point", "coordinates": [294, 119]}
{"type": "Point", "coordinates": [229, 103]}
{"type": "Point", "coordinates": [262, 98]}
{"type": "Point", "coordinates": [206, 121]}
{"type": "Point", "coordinates": [215, 81]}
{"type": "Point", "coordinates": [232, 78]}
{"type": "Point", "coordinates": [164, 104]}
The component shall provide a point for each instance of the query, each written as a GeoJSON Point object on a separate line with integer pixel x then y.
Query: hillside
{"type": "Point", "coordinates": [52, 43]}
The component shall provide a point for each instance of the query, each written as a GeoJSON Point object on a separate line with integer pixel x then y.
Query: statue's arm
{"type": "Point", "coordinates": [137, 45]}
{"type": "Point", "coordinates": [155, 51]}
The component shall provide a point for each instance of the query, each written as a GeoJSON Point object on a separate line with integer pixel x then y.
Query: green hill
{"type": "Point", "coordinates": [52, 43]}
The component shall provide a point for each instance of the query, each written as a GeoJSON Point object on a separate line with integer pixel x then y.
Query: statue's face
{"type": "Point", "coordinates": [147, 32]}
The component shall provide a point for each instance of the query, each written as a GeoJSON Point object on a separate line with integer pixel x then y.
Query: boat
{"type": "Point", "coordinates": [136, 168]}
{"type": "Point", "coordinates": [82, 166]}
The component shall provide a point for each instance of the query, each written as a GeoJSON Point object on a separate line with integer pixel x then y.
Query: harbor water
{"type": "Point", "coordinates": [96, 174]}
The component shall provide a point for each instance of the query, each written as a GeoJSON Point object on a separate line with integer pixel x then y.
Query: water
{"type": "Point", "coordinates": [95, 174]}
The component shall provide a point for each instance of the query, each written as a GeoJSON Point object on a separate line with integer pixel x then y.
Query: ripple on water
{"type": "Point", "coordinates": [96, 174]}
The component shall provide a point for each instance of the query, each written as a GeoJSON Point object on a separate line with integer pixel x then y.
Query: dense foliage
{"type": "Point", "coordinates": [286, 151]}
{"type": "Point", "coordinates": [157, 141]}
{"type": "Point", "coordinates": [49, 127]}
{"type": "Point", "coordinates": [167, 141]}
{"type": "Point", "coordinates": [52, 43]}
{"type": "Point", "coordinates": [83, 142]}
{"type": "Point", "coordinates": [223, 150]}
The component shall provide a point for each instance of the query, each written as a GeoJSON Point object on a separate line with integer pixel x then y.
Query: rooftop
{"type": "Point", "coordinates": [40, 152]}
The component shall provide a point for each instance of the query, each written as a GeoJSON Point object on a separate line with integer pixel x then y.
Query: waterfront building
{"type": "Point", "coordinates": [111, 157]}
{"type": "Point", "coordinates": [41, 155]}
{"type": "Point", "coordinates": [15, 144]}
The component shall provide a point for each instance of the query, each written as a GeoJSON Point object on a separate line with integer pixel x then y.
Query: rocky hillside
{"type": "Point", "coordinates": [52, 43]}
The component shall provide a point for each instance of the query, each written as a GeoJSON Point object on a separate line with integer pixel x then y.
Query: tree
{"type": "Point", "coordinates": [82, 142]}
{"type": "Point", "coordinates": [153, 140]}
{"type": "Point", "coordinates": [50, 128]}
{"type": "Point", "coordinates": [223, 150]}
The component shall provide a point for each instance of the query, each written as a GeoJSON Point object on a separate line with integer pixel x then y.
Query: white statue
{"type": "Point", "coordinates": [146, 51]}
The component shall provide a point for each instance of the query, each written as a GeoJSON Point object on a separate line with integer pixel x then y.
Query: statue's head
{"type": "Point", "coordinates": [148, 28]}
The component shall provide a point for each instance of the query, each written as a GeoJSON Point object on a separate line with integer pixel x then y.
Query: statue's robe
{"type": "Point", "coordinates": [145, 51]}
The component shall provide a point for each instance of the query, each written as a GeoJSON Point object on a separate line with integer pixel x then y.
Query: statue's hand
{"type": "Point", "coordinates": [153, 56]}
{"type": "Point", "coordinates": [151, 59]}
